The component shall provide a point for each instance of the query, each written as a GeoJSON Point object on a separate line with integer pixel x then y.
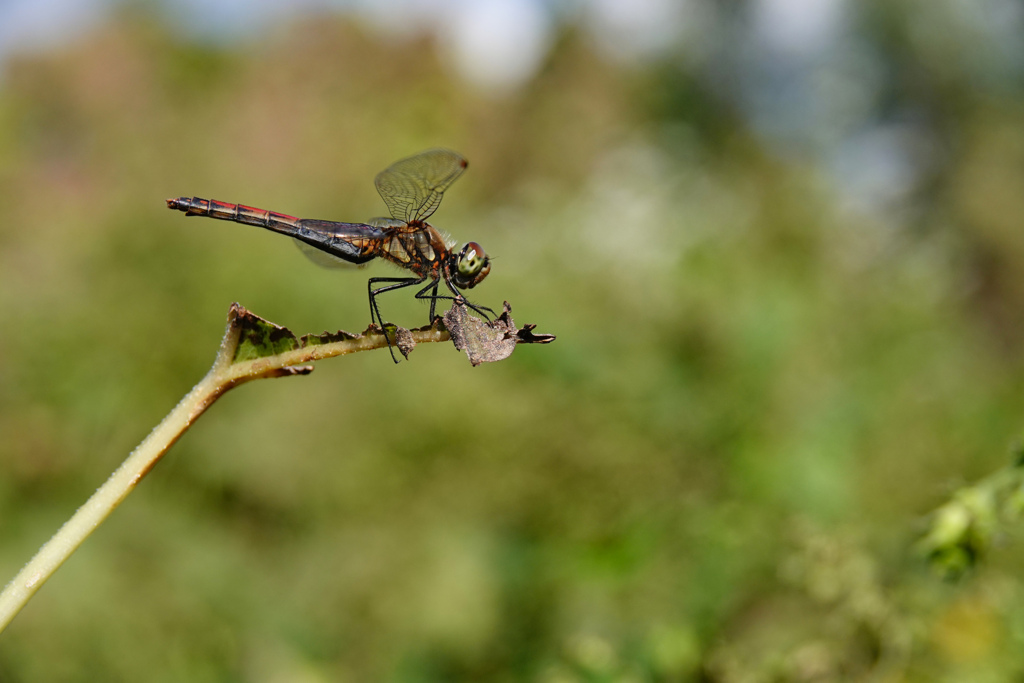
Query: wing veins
{"type": "Point", "coordinates": [413, 187]}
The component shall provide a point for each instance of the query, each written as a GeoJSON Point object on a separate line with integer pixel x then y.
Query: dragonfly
{"type": "Point", "coordinates": [412, 189]}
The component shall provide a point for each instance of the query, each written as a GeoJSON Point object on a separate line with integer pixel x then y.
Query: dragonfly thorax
{"type": "Point", "coordinates": [421, 251]}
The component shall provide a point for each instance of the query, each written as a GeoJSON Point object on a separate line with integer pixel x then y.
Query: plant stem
{"type": "Point", "coordinates": [53, 554]}
{"type": "Point", "coordinates": [227, 372]}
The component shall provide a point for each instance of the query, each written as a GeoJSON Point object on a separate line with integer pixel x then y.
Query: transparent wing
{"type": "Point", "coordinates": [412, 188]}
{"type": "Point", "coordinates": [385, 223]}
{"type": "Point", "coordinates": [325, 259]}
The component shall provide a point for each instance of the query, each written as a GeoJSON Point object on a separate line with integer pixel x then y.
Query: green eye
{"type": "Point", "coordinates": [473, 265]}
{"type": "Point", "coordinates": [470, 263]}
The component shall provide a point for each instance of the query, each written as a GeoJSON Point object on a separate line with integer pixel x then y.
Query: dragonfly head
{"type": "Point", "coordinates": [471, 267]}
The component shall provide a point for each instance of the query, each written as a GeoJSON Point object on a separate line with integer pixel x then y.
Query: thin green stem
{"type": "Point", "coordinates": [53, 554]}
{"type": "Point", "coordinates": [225, 374]}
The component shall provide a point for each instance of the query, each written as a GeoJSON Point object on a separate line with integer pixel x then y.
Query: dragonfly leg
{"type": "Point", "coordinates": [482, 310]}
{"type": "Point", "coordinates": [434, 297]}
{"type": "Point", "coordinates": [422, 294]}
{"type": "Point", "coordinates": [459, 297]}
{"type": "Point", "coordinates": [396, 283]}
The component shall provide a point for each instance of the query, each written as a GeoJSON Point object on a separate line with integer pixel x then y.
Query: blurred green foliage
{"type": "Point", "coordinates": [717, 472]}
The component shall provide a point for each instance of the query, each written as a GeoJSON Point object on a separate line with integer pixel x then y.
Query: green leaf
{"type": "Point", "coordinates": [326, 338]}
{"type": "Point", "coordinates": [259, 338]}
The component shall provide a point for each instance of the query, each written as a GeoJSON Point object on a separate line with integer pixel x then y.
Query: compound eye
{"type": "Point", "coordinates": [472, 260]}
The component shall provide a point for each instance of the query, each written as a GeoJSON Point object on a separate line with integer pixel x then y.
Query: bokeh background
{"type": "Point", "coordinates": [780, 242]}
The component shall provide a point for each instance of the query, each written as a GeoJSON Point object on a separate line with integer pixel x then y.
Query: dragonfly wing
{"type": "Point", "coordinates": [412, 188]}
{"type": "Point", "coordinates": [324, 259]}
{"type": "Point", "coordinates": [386, 223]}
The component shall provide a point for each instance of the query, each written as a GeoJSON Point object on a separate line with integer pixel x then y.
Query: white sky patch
{"type": "Point", "coordinates": [497, 45]}
{"type": "Point", "coordinates": [404, 17]}
{"type": "Point", "coordinates": [232, 18]}
{"type": "Point", "coordinates": [878, 169]}
{"type": "Point", "coordinates": [35, 25]}
{"type": "Point", "coordinates": [639, 28]}
{"type": "Point", "coordinates": [798, 27]}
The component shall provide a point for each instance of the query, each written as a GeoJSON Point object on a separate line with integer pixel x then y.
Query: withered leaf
{"type": "Point", "coordinates": [488, 341]}
{"type": "Point", "coordinates": [404, 341]}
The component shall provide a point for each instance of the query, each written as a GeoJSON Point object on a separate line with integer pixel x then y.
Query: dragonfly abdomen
{"type": "Point", "coordinates": [352, 242]}
{"type": "Point", "coordinates": [238, 213]}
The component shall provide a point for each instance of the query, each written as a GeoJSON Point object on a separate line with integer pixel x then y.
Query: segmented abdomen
{"type": "Point", "coordinates": [238, 213]}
